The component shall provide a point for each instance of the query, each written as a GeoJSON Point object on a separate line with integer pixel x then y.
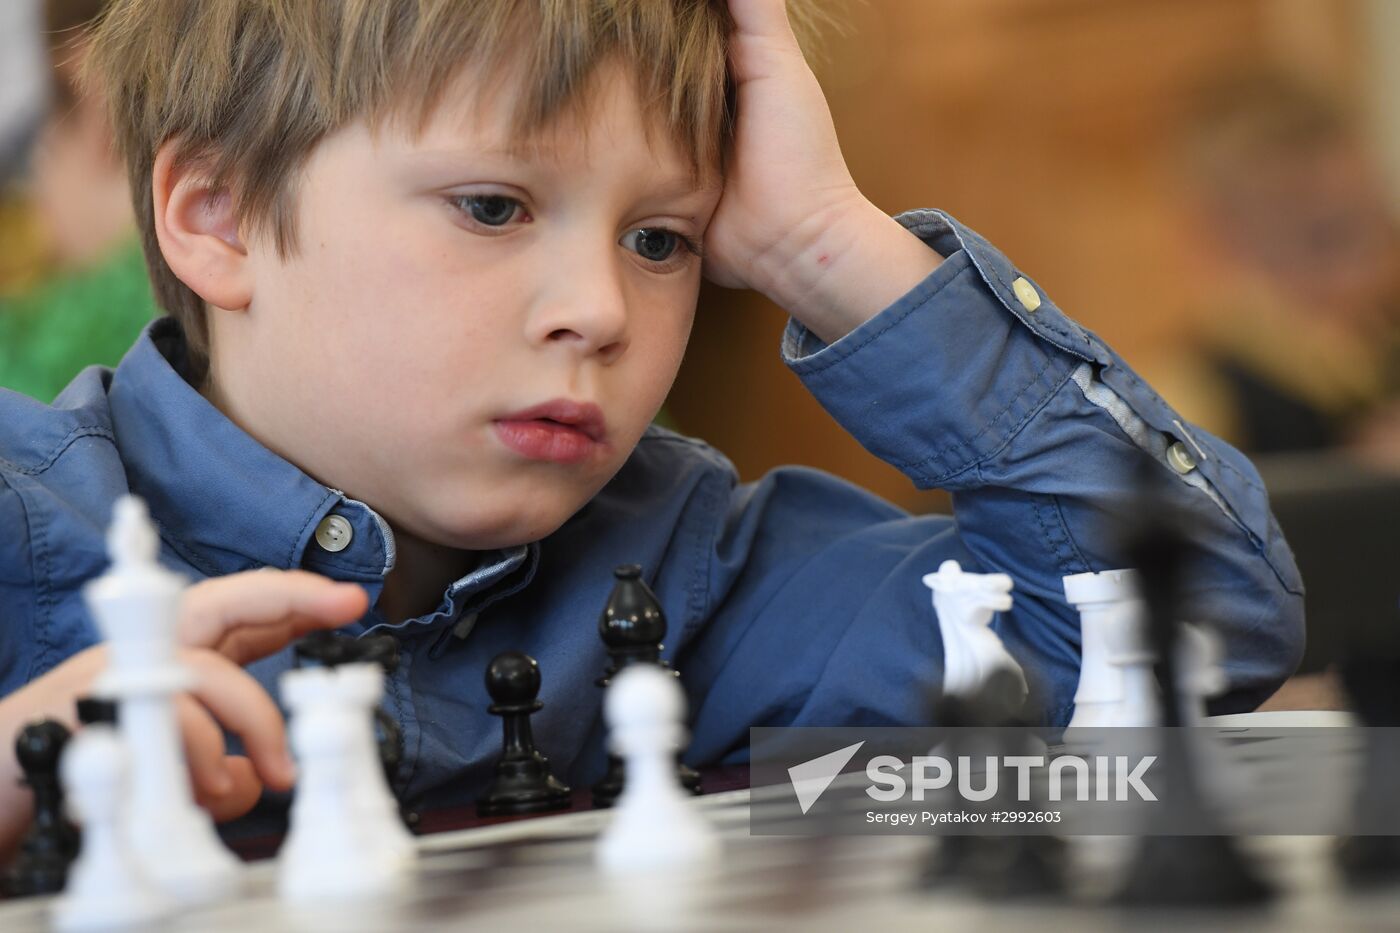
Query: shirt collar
{"type": "Point", "coordinates": [226, 503]}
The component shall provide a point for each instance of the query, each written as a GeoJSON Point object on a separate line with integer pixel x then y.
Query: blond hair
{"type": "Point", "coordinates": [247, 88]}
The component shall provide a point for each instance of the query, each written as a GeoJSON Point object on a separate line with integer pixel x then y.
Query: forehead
{"type": "Point", "coordinates": [605, 121]}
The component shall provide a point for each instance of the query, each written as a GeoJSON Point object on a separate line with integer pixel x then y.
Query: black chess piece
{"type": "Point", "coordinates": [996, 866]}
{"type": "Point", "coordinates": [97, 710]}
{"type": "Point", "coordinates": [1371, 675]}
{"type": "Point", "coordinates": [41, 867]}
{"type": "Point", "coordinates": [1207, 869]}
{"type": "Point", "coordinates": [523, 781]}
{"type": "Point", "coordinates": [326, 649]}
{"type": "Point", "coordinates": [632, 627]}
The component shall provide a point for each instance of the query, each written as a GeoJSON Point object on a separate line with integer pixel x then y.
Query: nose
{"type": "Point", "coordinates": [584, 307]}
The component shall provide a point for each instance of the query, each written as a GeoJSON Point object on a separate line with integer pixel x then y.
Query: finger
{"type": "Point", "coordinates": [204, 749]}
{"type": "Point", "coordinates": [766, 19]}
{"type": "Point", "coordinates": [247, 643]}
{"type": "Point", "coordinates": [213, 607]}
{"type": "Point", "coordinates": [244, 790]}
{"type": "Point", "coordinates": [239, 702]}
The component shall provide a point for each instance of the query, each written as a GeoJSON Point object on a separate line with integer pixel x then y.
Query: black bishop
{"type": "Point", "coordinates": [632, 628]}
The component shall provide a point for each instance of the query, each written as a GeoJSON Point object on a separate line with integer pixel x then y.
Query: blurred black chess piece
{"type": "Point", "coordinates": [41, 866]}
{"type": "Point", "coordinates": [632, 628]}
{"type": "Point", "coordinates": [991, 721]}
{"type": "Point", "coordinates": [1207, 869]}
{"type": "Point", "coordinates": [1372, 680]}
{"type": "Point", "coordinates": [523, 781]}
{"type": "Point", "coordinates": [97, 710]}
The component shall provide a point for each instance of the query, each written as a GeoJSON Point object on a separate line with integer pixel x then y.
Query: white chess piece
{"type": "Point", "coordinates": [1200, 671]}
{"type": "Point", "coordinates": [105, 888]}
{"type": "Point", "coordinates": [1117, 685]}
{"type": "Point", "coordinates": [654, 827]}
{"type": "Point", "coordinates": [136, 606]}
{"type": "Point", "coordinates": [965, 603]}
{"type": "Point", "coordinates": [345, 841]}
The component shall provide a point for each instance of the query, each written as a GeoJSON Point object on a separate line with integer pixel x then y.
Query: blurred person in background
{"type": "Point", "coordinates": [90, 295]}
{"type": "Point", "coordinates": [1300, 351]}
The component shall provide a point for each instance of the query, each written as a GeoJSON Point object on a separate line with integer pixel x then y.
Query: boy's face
{"type": "Point", "coordinates": [441, 292]}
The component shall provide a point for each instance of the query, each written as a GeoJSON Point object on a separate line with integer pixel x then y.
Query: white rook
{"type": "Point", "coordinates": [1117, 686]}
{"type": "Point", "coordinates": [346, 841]}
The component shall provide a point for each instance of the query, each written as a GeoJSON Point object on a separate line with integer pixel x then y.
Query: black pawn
{"type": "Point", "coordinates": [632, 627]}
{"type": "Point", "coordinates": [523, 782]}
{"type": "Point", "coordinates": [52, 842]}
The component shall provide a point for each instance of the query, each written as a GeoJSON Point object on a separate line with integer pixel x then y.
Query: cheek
{"type": "Point", "coordinates": [658, 353]}
{"type": "Point", "coordinates": [392, 291]}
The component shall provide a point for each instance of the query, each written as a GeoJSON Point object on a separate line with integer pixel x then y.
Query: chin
{"type": "Point", "coordinates": [506, 527]}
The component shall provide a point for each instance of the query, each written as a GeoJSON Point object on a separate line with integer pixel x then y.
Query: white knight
{"type": "Point", "coordinates": [965, 604]}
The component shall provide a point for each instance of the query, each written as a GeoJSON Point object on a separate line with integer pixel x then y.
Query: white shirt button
{"type": "Point", "coordinates": [1026, 293]}
{"type": "Point", "coordinates": [334, 534]}
{"type": "Point", "coordinates": [1180, 458]}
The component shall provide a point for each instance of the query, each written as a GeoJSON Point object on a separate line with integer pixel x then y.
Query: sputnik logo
{"type": "Point", "coordinates": [811, 778]}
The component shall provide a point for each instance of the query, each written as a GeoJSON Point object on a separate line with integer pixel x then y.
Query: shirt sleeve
{"type": "Point", "coordinates": [17, 592]}
{"type": "Point", "coordinates": [977, 383]}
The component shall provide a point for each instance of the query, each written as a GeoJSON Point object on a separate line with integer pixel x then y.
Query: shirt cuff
{"type": "Point", "coordinates": [946, 375]}
{"type": "Point", "coordinates": [944, 378]}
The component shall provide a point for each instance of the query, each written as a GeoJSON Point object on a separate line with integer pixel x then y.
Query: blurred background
{"type": "Point", "coordinates": [73, 284]}
{"type": "Point", "coordinates": [1210, 185]}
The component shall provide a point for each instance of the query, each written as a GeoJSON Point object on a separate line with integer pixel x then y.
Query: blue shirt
{"type": "Point", "coordinates": [794, 600]}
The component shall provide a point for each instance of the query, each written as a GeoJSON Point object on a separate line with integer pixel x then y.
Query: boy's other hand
{"type": "Point", "coordinates": [791, 223]}
{"type": "Point", "coordinates": [224, 623]}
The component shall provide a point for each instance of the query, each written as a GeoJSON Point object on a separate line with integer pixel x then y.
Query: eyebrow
{"type": "Point", "coordinates": [673, 186]}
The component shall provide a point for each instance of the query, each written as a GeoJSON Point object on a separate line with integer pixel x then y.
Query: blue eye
{"type": "Point", "coordinates": [657, 244]}
{"type": "Point", "coordinates": [493, 210]}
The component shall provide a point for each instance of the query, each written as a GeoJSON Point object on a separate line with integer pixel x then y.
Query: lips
{"type": "Point", "coordinates": [583, 417]}
{"type": "Point", "coordinates": [560, 431]}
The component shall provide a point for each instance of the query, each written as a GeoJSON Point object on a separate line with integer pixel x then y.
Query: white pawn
{"type": "Point", "coordinates": [105, 888]}
{"type": "Point", "coordinates": [345, 841]}
{"type": "Point", "coordinates": [655, 828]}
{"type": "Point", "coordinates": [965, 603]}
{"type": "Point", "coordinates": [136, 606]}
{"type": "Point", "coordinates": [1200, 671]}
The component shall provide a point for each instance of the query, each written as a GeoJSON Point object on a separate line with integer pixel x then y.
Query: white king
{"type": "Point", "coordinates": [136, 606]}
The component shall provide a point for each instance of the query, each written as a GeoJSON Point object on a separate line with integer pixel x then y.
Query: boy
{"type": "Point", "coordinates": [431, 267]}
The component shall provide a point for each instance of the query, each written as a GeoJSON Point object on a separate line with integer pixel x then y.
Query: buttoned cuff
{"type": "Point", "coordinates": [942, 380]}
{"type": "Point", "coordinates": [946, 375]}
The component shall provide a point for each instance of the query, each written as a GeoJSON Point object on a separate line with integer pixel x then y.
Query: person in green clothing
{"type": "Point", "coordinates": [95, 296]}
{"type": "Point", "coordinates": [74, 319]}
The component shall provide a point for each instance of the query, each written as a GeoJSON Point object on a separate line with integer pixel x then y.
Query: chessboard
{"type": "Point", "coordinates": [540, 873]}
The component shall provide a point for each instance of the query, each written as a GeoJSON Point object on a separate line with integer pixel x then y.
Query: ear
{"type": "Point", "coordinates": [198, 233]}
